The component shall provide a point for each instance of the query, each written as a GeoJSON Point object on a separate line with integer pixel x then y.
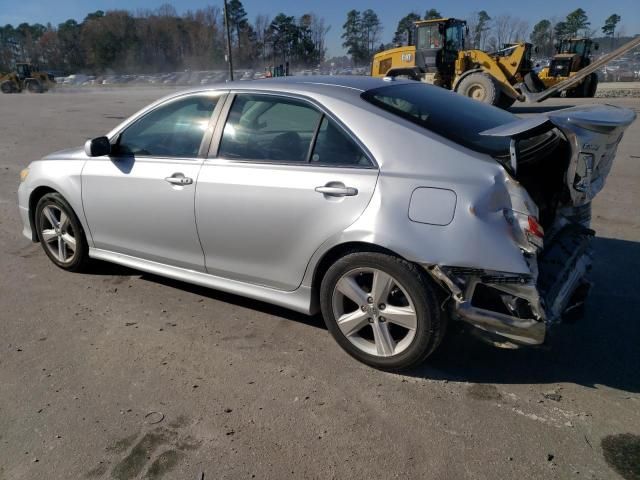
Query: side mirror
{"type": "Point", "coordinates": [97, 147]}
{"type": "Point", "coordinates": [596, 46]}
{"type": "Point", "coordinates": [535, 49]}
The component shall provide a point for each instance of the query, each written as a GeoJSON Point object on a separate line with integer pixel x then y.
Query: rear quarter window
{"type": "Point", "coordinates": [446, 113]}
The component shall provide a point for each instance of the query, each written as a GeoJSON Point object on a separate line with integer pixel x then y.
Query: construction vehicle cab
{"type": "Point", "coordinates": [26, 77]}
{"type": "Point", "coordinates": [437, 43]}
{"type": "Point", "coordinates": [572, 55]}
{"type": "Point", "coordinates": [436, 55]}
{"type": "Point", "coordinates": [431, 52]}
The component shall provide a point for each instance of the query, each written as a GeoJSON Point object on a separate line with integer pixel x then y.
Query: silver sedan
{"type": "Point", "coordinates": [390, 206]}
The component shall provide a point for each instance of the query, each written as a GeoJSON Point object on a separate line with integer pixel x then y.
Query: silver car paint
{"type": "Point", "coordinates": [117, 195]}
{"type": "Point", "coordinates": [61, 172]}
{"type": "Point", "coordinates": [408, 157]}
{"type": "Point", "coordinates": [261, 223]}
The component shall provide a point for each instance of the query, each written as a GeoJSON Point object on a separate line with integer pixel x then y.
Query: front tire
{"type": "Point", "coordinates": [60, 233]}
{"type": "Point", "coordinates": [34, 86]}
{"type": "Point", "coordinates": [593, 86]}
{"type": "Point", "coordinates": [481, 87]}
{"type": "Point", "coordinates": [381, 310]}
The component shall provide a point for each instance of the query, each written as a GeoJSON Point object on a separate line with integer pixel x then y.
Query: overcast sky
{"type": "Point", "coordinates": [334, 11]}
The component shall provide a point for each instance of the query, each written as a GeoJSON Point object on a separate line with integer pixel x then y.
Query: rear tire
{"type": "Point", "coordinates": [6, 87]}
{"type": "Point", "coordinates": [60, 233]}
{"type": "Point", "coordinates": [481, 87]}
{"type": "Point", "coordinates": [382, 310]}
{"type": "Point", "coordinates": [593, 86]}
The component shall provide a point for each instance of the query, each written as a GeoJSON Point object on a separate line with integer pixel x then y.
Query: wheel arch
{"type": "Point", "coordinates": [501, 82]}
{"type": "Point", "coordinates": [457, 81]}
{"type": "Point", "coordinates": [413, 73]}
{"type": "Point", "coordinates": [332, 255]}
{"type": "Point", "coordinates": [34, 198]}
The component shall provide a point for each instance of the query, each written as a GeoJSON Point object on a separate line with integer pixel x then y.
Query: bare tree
{"type": "Point", "coordinates": [508, 29]}
{"type": "Point", "coordinates": [319, 33]}
{"type": "Point", "coordinates": [261, 27]}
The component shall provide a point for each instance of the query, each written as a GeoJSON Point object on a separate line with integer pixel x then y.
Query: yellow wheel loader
{"type": "Point", "coordinates": [26, 77]}
{"type": "Point", "coordinates": [572, 55]}
{"type": "Point", "coordinates": [436, 55]}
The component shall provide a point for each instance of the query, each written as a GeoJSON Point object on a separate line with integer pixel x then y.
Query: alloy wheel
{"type": "Point", "coordinates": [57, 233]}
{"type": "Point", "coordinates": [374, 312]}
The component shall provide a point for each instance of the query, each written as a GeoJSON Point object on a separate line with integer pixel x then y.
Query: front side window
{"type": "Point", "coordinates": [269, 128]}
{"type": "Point", "coordinates": [172, 130]}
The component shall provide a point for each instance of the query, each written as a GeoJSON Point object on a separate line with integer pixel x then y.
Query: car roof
{"type": "Point", "coordinates": [340, 86]}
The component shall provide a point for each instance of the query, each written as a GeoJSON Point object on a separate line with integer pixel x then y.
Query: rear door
{"type": "Point", "coordinates": [140, 200]}
{"type": "Point", "coordinates": [286, 177]}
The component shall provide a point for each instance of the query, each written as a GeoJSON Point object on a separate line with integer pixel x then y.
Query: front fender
{"type": "Point", "coordinates": [62, 176]}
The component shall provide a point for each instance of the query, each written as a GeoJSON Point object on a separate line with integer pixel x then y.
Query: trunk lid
{"type": "Point", "coordinates": [593, 133]}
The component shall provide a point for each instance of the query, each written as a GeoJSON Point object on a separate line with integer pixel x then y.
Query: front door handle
{"type": "Point", "coordinates": [179, 179]}
{"type": "Point", "coordinates": [337, 191]}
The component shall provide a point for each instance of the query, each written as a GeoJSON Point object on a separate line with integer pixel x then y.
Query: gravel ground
{"type": "Point", "coordinates": [120, 374]}
{"type": "Point", "coordinates": [618, 89]}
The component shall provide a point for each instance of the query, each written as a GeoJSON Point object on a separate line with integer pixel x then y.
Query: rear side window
{"type": "Point", "coordinates": [334, 147]}
{"type": "Point", "coordinates": [448, 114]}
{"type": "Point", "coordinates": [269, 128]}
{"type": "Point", "coordinates": [172, 130]}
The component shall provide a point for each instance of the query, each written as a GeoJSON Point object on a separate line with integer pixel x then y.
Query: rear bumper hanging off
{"type": "Point", "coordinates": [520, 308]}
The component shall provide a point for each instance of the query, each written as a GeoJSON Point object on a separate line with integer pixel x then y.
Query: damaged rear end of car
{"type": "Point", "coordinates": [556, 164]}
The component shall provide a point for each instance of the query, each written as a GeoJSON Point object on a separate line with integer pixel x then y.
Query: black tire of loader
{"type": "Point", "coordinates": [34, 86]}
{"type": "Point", "coordinates": [6, 87]}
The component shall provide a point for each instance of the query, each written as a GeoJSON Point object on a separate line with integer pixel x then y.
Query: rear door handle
{"type": "Point", "coordinates": [179, 179]}
{"type": "Point", "coordinates": [337, 191]}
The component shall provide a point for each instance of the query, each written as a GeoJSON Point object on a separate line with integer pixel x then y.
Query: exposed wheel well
{"type": "Point", "coordinates": [410, 73]}
{"type": "Point", "coordinates": [332, 255]}
{"type": "Point", "coordinates": [35, 197]}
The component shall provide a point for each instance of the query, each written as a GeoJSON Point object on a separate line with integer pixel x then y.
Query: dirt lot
{"type": "Point", "coordinates": [121, 374]}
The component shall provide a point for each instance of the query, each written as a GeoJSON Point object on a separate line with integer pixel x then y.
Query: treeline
{"type": "Point", "coordinates": [548, 32]}
{"type": "Point", "coordinates": [160, 40]}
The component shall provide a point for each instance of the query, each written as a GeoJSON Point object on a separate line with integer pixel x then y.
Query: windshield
{"type": "Point", "coordinates": [429, 36]}
{"type": "Point", "coordinates": [569, 46]}
{"type": "Point", "coordinates": [446, 113]}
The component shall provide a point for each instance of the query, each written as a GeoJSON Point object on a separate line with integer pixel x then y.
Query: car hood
{"type": "Point", "coordinates": [76, 153]}
{"type": "Point", "coordinates": [593, 131]}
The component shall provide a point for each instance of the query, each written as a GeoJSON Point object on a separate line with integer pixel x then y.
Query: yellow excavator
{"type": "Point", "coordinates": [436, 55]}
{"type": "Point", "coordinates": [26, 77]}
{"type": "Point", "coordinates": [572, 55]}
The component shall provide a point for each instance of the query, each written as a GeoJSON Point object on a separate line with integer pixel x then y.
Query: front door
{"type": "Point", "coordinates": [286, 178]}
{"type": "Point", "coordinates": [140, 200]}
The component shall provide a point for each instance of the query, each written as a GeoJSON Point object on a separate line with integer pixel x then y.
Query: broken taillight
{"type": "Point", "coordinates": [535, 232]}
{"type": "Point", "coordinates": [527, 231]}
